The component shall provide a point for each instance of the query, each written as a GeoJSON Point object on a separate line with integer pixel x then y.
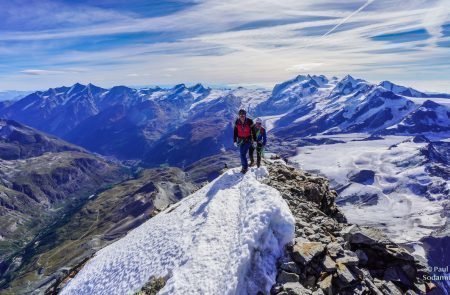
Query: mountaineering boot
{"type": "Point", "coordinates": [244, 170]}
{"type": "Point", "coordinates": [252, 163]}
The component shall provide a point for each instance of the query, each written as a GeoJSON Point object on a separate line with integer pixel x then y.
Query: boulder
{"type": "Point", "coordinates": [334, 249]}
{"type": "Point", "coordinates": [364, 235]}
{"type": "Point", "coordinates": [328, 264]}
{"type": "Point", "coordinates": [345, 274]}
{"type": "Point", "coordinates": [390, 288]}
{"type": "Point", "coordinates": [304, 252]}
{"type": "Point", "coordinates": [286, 277]}
{"type": "Point", "coordinates": [276, 289]}
{"type": "Point", "coordinates": [290, 266]}
{"type": "Point", "coordinates": [326, 285]}
{"type": "Point", "coordinates": [296, 289]}
{"type": "Point", "coordinates": [362, 256]}
{"type": "Point", "coordinates": [409, 271]}
{"type": "Point", "coordinates": [372, 287]}
{"type": "Point", "coordinates": [399, 253]}
{"type": "Point", "coordinates": [396, 274]}
{"type": "Point", "coordinates": [349, 258]}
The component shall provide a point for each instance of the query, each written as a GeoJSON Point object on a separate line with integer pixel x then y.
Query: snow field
{"type": "Point", "coordinates": [403, 215]}
{"type": "Point", "coordinates": [223, 239]}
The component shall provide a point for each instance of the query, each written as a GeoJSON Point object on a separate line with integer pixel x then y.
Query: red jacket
{"type": "Point", "coordinates": [243, 130]}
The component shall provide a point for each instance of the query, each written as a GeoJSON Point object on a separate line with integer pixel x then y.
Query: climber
{"type": "Point", "coordinates": [260, 138]}
{"type": "Point", "coordinates": [243, 137]}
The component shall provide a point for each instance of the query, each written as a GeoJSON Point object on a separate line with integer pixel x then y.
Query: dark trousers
{"type": "Point", "coordinates": [259, 148]}
{"type": "Point", "coordinates": [243, 149]}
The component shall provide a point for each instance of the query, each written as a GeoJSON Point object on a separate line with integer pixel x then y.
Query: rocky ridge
{"type": "Point", "coordinates": [330, 256]}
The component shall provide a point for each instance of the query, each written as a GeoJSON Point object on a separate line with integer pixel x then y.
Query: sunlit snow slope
{"type": "Point", "coordinates": [397, 194]}
{"type": "Point", "coordinates": [223, 239]}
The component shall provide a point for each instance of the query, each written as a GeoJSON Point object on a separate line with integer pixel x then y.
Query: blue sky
{"type": "Point", "coordinates": [48, 43]}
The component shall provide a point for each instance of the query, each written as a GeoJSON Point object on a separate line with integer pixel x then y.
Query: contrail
{"type": "Point", "coordinates": [343, 21]}
{"type": "Point", "coordinates": [347, 18]}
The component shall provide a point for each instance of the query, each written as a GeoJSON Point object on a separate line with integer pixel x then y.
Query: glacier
{"type": "Point", "coordinates": [223, 239]}
{"type": "Point", "coordinates": [402, 198]}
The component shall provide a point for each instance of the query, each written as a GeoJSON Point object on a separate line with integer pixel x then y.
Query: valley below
{"type": "Point", "coordinates": [127, 154]}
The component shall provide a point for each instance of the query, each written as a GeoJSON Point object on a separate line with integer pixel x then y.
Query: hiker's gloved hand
{"type": "Point", "coordinates": [235, 144]}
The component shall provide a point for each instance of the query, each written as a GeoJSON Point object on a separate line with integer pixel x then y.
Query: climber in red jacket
{"type": "Point", "coordinates": [243, 137]}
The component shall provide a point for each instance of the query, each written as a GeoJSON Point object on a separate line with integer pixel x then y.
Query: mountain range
{"type": "Point", "coordinates": [383, 146]}
{"type": "Point", "coordinates": [137, 124]}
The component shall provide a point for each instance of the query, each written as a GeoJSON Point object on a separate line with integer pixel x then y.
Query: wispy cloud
{"type": "Point", "coordinates": [434, 20]}
{"type": "Point", "coordinates": [304, 67]}
{"type": "Point", "coordinates": [40, 72]}
{"type": "Point", "coordinates": [222, 42]}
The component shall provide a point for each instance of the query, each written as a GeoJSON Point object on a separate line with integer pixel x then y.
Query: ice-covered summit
{"type": "Point", "coordinates": [223, 239]}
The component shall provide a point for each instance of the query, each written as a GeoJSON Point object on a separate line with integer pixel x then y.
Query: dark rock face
{"type": "Point", "coordinates": [437, 155]}
{"type": "Point", "coordinates": [329, 256]}
{"type": "Point", "coordinates": [437, 152]}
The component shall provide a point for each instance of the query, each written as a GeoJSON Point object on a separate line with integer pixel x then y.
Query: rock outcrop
{"type": "Point", "coordinates": [330, 256]}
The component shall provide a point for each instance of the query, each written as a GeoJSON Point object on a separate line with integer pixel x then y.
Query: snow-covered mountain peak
{"type": "Point", "coordinates": [429, 104]}
{"type": "Point", "coordinates": [430, 117]}
{"type": "Point", "coordinates": [179, 87]}
{"type": "Point", "coordinates": [198, 88]}
{"type": "Point", "coordinates": [402, 90]}
{"type": "Point", "coordinates": [93, 87]}
{"type": "Point", "coordinates": [223, 239]}
{"type": "Point", "coordinates": [387, 84]}
{"type": "Point", "coordinates": [353, 81]}
{"type": "Point", "coordinates": [377, 91]}
{"type": "Point", "coordinates": [347, 85]}
{"type": "Point", "coordinates": [77, 87]}
{"type": "Point", "coordinates": [321, 80]}
{"type": "Point", "coordinates": [300, 85]}
{"type": "Point", "coordinates": [300, 78]}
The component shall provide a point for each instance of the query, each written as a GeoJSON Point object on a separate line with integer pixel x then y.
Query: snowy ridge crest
{"type": "Point", "coordinates": [223, 239]}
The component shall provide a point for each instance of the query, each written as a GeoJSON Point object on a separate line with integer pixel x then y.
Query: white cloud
{"type": "Point", "coordinates": [321, 36]}
{"type": "Point", "coordinates": [304, 67]}
{"type": "Point", "coordinates": [435, 18]}
{"type": "Point", "coordinates": [39, 72]}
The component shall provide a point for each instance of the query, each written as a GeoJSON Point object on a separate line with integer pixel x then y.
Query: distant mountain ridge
{"type": "Point", "coordinates": [139, 124]}
{"type": "Point", "coordinates": [13, 95]}
{"type": "Point", "coordinates": [40, 178]}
